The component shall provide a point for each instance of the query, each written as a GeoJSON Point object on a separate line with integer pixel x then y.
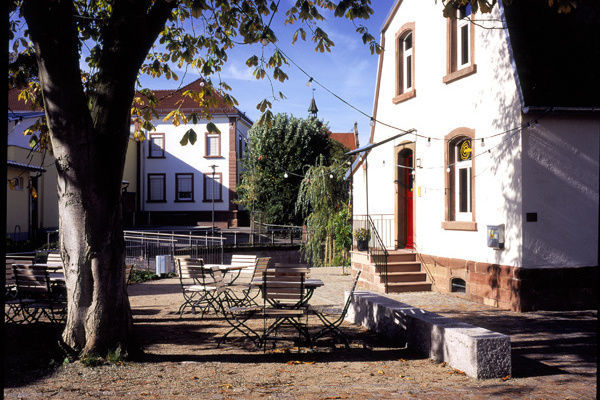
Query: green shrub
{"type": "Point", "coordinates": [138, 276]}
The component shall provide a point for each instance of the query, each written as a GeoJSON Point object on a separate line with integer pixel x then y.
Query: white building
{"type": "Point", "coordinates": [507, 130]}
{"type": "Point", "coordinates": [175, 182]}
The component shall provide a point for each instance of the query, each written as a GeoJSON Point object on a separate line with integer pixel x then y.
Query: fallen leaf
{"type": "Point", "coordinates": [308, 362]}
{"type": "Point", "coordinates": [380, 372]}
{"type": "Point", "coordinates": [226, 386]}
{"type": "Point", "coordinates": [507, 377]}
{"type": "Point", "coordinates": [443, 364]}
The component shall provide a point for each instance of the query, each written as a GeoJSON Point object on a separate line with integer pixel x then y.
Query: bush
{"type": "Point", "coordinates": [139, 276]}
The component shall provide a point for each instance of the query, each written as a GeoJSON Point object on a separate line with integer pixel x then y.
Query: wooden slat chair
{"type": "Point", "coordinates": [36, 296]}
{"type": "Point", "coordinates": [196, 288]}
{"type": "Point", "coordinates": [283, 304]}
{"type": "Point", "coordinates": [332, 317]}
{"type": "Point", "coordinates": [12, 305]}
{"type": "Point", "coordinates": [250, 292]}
{"type": "Point", "coordinates": [54, 261]}
{"type": "Point", "coordinates": [246, 274]}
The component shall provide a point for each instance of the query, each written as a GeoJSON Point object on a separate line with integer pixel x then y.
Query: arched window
{"type": "Point", "coordinates": [405, 63]}
{"type": "Point", "coordinates": [460, 180]}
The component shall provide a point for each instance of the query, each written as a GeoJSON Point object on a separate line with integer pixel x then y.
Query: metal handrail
{"type": "Point", "coordinates": [378, 252]}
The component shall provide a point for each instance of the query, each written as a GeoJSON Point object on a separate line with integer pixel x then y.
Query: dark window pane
{"type": "Point", "coordinates": [462, 187]}
{"type": "Point", "coordinates": [464, 44]}
{"type": "Point", "coordinates": [409, 71]}
{"type": "Point", "coordinates": [408, 42]}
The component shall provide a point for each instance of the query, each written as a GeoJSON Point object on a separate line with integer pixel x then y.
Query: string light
{"type": "Point", "coordinates": [428, 142]}
{"type": "Point", "coordinates": [285, 175]}
{"type": "Point", "coordinates": [373, 120]}
{"type": "Point", "coordinates": [482, 142]}
{"type": "Point", "coordinates": [331, 176]}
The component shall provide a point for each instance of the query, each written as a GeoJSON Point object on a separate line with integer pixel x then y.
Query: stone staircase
{"type": "Point", "coordinates": [405, 273]}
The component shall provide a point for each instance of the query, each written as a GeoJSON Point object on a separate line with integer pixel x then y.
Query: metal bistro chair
{"type": "Point", "coordinates": [12, 305]}
{"type": "Point", "coordinates": [196, 292]}
{"type": "Point", "coordinates": [37, 296]}
{"type": "Point", "coordinates": [327, 313]}
{"type": "Point", "coordinates": [284, 303]}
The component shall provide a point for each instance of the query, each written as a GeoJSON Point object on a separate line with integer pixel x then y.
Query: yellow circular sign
{"type": "Point", "coordinates": [465, 150]}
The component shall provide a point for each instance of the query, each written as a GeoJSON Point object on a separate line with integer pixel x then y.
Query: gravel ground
{"type": "Point", "coordinates": [553, 358]}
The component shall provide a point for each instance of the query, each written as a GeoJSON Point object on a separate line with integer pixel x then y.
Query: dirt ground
{"type": "Point", "coordinates": [181, 361]}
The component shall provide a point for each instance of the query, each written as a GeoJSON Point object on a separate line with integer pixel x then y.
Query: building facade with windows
{"type": "Point", "coordinates": [502, 148]}
{"type": "Point", "coordinates": [180, 184]}
{"type": "Point", "coordinates": [31, 198]}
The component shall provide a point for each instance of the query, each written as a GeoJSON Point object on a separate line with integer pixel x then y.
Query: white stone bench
{"type": "Point", "coordinates": [478, 352]}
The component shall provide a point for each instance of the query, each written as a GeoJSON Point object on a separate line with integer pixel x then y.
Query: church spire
{"type": "Point", "coordinates": [312, 109]}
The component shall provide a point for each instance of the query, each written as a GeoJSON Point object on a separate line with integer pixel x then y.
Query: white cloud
{"type": "Point", "coordinates": [233, 71]}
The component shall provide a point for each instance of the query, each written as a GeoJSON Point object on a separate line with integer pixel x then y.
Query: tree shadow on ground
{"type": "Point", "coordinates": [31, 352]}
{"type": "Point", "coordinates": [543, 342]}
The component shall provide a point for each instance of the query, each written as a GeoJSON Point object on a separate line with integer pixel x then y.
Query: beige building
{"type": "Point", "coordinates": [31, 202]}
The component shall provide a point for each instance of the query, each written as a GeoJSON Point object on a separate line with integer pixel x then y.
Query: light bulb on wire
{"type": "Point", "coordinates": [285, 175]}
{"type": "Point", "coordinates": [482, 142]}
{"type": "Point", "coordinates": [309, 82]}
{"type": "Point", "coordinates": [372, 123]}
{"type": "Point", "coordinates": [428, 142]}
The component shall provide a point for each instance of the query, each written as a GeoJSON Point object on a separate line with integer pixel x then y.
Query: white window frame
{"type": "Point", "coordinates": [407, 64]}
{"type": "Point", "coordinates": [154, 147]}
{"type": "Point", "coordinates": [156, 176]}
{"type": "Point", "coordinates": [217, 138]}
{"type": "Point", "coordinates": [463, 28]}
{"type": "Point", "coordinates": [467, 166]}
{"type": "Point", "coordinates": [178, 190]}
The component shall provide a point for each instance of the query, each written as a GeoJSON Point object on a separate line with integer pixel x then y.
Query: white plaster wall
{"type": "Point", "coordinates": [486, 101]}
{"type": "Point", "coordinates": [187, 159]}
{"type": "Point", "coordinates": [560, 179]}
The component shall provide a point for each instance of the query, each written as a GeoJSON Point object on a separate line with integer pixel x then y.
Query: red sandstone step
{"type": "Point", "coordinates": [402, 266]}
{"type": "Point", "coordinates": [401, 287]}
{"type": "Point", "coordinates": [407, 277]}
{"type": "Point", "coordinates": [401, 256]}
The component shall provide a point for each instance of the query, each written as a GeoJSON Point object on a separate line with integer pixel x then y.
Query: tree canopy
{"type": "Point", "coordinates": [275, 163]}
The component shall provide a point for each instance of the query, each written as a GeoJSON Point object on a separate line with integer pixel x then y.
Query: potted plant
{"type": "Point", "coordinates": [362, 237]}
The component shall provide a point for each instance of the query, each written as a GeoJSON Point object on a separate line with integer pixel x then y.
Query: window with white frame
{"type": "Point", "coordinates": [460, 45]}
{"type": "Point", "coordinates": [213, 145]}
{"type": "Point", "coordinates": [460, 180]}
{"type": "Point", "coordinates": [407, 64]}
{"type": "Point", "coordinates": [156, 145]}
{"type": "Point", "coordinates": [463, 162]}
{"type": "Point", "coordinates": [463, 32]}
{"type": "Point", "coordinates": [184, 187]}
{"type": "Point", "coordinates": [156, 188]}
{"type": "Point", "coordinates": [212, 187]}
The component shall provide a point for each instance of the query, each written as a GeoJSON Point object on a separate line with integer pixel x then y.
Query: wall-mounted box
{"type": "Point", "coordinates": [495, 236]}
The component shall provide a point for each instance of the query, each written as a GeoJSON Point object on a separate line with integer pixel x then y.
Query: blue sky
{"type": "Point", "coordinates": [349, 70]}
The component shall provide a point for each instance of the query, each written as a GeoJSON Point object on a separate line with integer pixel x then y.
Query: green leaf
{"type": "Point", "coordinates": [192, 136]}
{"type": "Point", "coordinates": [212, 128]}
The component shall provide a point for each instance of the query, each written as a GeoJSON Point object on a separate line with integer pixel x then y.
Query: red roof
{"type": "Point", "coordinates": [168, 100]}
{"type": "Point", "coordinates": [15, 105]}
{"type": "Point", "coordinates": [347, 139]}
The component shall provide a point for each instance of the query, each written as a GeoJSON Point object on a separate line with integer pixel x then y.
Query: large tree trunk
{"type": "Point", "coordinates": [89, 133]}
{"type": "Point", "coordinates": [91, 238]}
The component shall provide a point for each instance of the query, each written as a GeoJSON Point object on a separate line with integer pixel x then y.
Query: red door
{"type": "Point", "coordinates": [408, 195]}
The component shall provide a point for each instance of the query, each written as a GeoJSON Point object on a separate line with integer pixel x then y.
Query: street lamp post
{"type": "Point", "coordinates": [212, 197]}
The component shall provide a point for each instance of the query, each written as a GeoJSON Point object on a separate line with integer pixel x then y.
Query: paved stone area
{"type": "Point", "coordinates": [554, 357]}
{"type": "Point", "coordinates": [548, 346]}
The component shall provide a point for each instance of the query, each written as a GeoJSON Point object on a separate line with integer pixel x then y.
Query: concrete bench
{"type": "Point", "coordinates": [478, 352]}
